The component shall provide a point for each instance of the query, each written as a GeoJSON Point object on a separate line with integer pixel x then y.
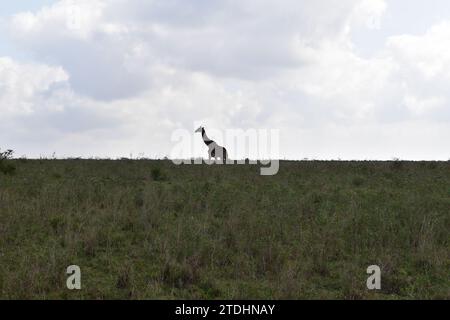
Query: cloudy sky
{"type": "Point", "coordinates": [349, 79]}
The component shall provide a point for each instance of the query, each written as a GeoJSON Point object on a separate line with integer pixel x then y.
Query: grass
{"type": "Point", "coordinates": [153, 230]}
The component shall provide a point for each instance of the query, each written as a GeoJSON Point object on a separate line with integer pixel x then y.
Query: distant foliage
{"type": "Point", "coordinates": [397, 164]}
{"type": "Point", "coordinates": [6, 154]}
{"type": "Point", "coordinates": [5, 166]}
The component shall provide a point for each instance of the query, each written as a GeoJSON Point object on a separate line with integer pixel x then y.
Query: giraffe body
{"type": "Point", "coordinates": [214, 150]}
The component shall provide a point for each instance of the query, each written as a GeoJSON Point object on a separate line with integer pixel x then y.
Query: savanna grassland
{"type": "Point", "coordinates": [153, 230]}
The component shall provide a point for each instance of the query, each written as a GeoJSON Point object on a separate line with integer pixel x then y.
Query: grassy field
{"type": "Point", "coordinates": [153, 230]}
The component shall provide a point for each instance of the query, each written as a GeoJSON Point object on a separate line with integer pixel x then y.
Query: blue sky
{"type": "Point", "coordinates": [349, 79]}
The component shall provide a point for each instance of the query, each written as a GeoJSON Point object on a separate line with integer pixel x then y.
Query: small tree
{"type": "Point", "coordinates": [5, 166]}
{"type": "Point", "coordinates": [6, 154]}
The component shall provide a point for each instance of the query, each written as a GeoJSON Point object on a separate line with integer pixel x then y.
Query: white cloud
{"type": "Point", "coordinates": [424, 70]}
{"type": "Point", "coordinates": [428, 54]}
{"type": "Point", "coordinates": [369, 13]}
{"type": "Point", "coordinates": [103, 62]}
{"type": "Point", "coordinates": [131, 72]}
{"type": "Point", "coordinates": [23, 87]}
{"type": "Point", "coordinates": [112, 45]}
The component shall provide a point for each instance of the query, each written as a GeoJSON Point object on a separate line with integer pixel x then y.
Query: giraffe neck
{"type": "Point", "coordinates": [206, 140]}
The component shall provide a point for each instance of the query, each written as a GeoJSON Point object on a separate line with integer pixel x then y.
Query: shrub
{"type": "Point", "coordinates": [397, 164]}
{"type": "Point", "coordinates": [5, 166]}
{"type": "Point", "coordinates": [6, 155]}
{"type": "Point", "coordinates": [158, 174]}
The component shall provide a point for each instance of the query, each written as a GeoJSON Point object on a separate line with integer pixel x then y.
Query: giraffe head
{"type": "Point", "coordinates": [200, 130]}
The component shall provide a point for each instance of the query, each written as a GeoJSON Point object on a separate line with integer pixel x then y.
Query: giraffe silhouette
{"type": "Point", "coordinates": [214, 150]}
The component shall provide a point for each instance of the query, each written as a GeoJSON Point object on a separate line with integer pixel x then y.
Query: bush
{"type": "Point", "coordinates": [5, 166]}
{"type": "Point", "coordinates": [158, 174]}
{"type": "Point", "coordinates": [6, 155]}
{"type": "Point", "coordinates": [397, 164]}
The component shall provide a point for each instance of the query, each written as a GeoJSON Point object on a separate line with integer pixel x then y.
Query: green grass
{"type": "Point", "coordinates": [153, 230]}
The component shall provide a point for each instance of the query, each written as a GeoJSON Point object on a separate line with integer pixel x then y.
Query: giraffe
{"type": "Point", "coordinates": [215, 151]}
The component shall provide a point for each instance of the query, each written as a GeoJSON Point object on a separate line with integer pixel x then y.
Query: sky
{"type": "Point", "coordinates": [339, 79]}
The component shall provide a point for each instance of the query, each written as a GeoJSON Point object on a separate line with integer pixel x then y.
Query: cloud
{"type": "Point", "coordinates": [424, 70]}
{"type": "Point", "coordinates": [369, 13]}
{"type": "Point", "coordinates": [129, 73]}
{"type": "Point", "coordinates": [38, 107]}
{"type": "Point", "coordinates": [110, 47]}
{"type": "Point", "coordinates": [22, 86]}
{"type": "Point", "coordinates": [103, 62]}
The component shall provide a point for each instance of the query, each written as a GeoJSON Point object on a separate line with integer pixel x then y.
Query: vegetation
{"type": "Point", "coordinates": [153, 230]}
{"type": "Point", "coordinates": [5, 166]}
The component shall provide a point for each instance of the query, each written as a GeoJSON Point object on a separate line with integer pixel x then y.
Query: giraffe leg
{"type": "Point", "coordinates": [218, 155]}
